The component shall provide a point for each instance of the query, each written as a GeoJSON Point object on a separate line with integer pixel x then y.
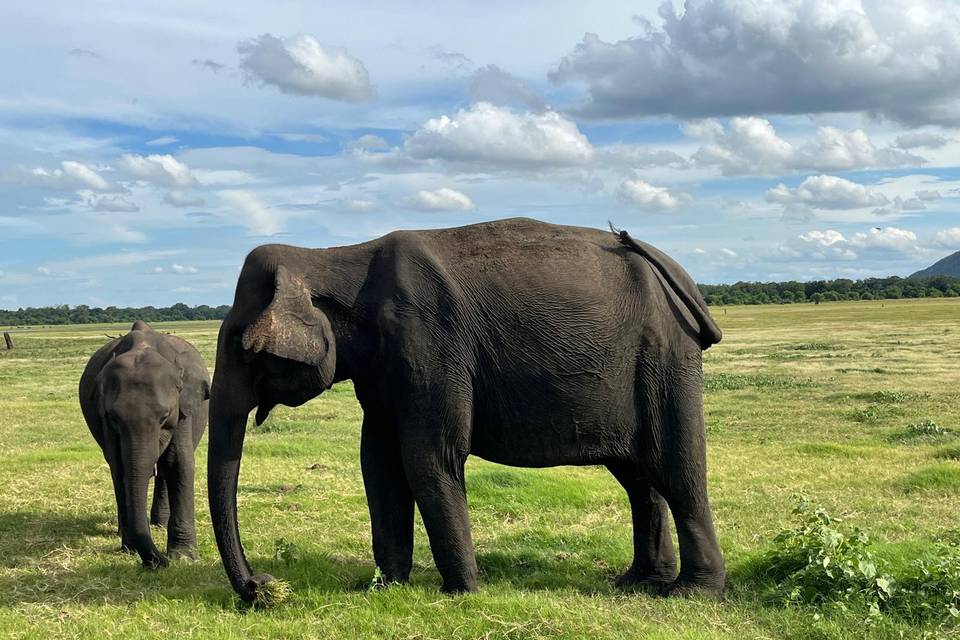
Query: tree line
{"type": "Point", "coordinates": [715, 294]}
{"type": "Point", "coordinates": [83, 314]}
{"type": "Point", "coordinates": [818, 291]}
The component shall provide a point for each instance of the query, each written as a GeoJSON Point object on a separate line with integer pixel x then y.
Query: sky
{"type": "Point", "coordinates": [146, 147]}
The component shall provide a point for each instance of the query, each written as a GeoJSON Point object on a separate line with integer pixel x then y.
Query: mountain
{"type": "Point", "coordinates": [949, 266]}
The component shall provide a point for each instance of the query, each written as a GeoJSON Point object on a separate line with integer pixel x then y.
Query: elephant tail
{"type": "Point", "coordinates": [680, 283]}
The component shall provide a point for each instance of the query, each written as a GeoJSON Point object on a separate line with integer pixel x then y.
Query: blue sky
{"type": "Point", "coordinates": [146, 147]}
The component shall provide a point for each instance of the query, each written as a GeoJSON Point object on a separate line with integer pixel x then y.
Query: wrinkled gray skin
{"type": "Point", "coordinates": [524, 343]}
{"type": "Point", "coordinates": [144, 396]}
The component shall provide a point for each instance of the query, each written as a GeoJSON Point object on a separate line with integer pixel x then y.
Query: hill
{"type": "Point", "coordinates": [949, 266]}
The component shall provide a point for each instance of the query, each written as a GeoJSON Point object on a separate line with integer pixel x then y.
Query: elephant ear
{"type": "Point", "coordinates": [292, 328]}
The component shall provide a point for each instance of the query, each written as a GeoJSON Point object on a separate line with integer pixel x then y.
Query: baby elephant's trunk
{"type": "Point", "coordinates": [139, 459]}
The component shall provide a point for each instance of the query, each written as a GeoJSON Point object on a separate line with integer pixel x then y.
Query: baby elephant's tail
{"type": "Point", "coordinates": [681, 285]}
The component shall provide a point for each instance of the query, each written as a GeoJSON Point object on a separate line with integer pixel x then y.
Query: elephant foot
{"type": "Point", "coordinates": [182, 552]}
{"type": "Point", "coordinates": [709, 586]}
{"type": "Point", "coordinates": [155, 561]}
{"type": "Point", "coordinates": [459, 587]}
{"type": "Point", "coordinates": [648, 581]}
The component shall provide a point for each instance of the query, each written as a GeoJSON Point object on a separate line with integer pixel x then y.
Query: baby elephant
{"type": "Point", "coordinates": [144, 396]}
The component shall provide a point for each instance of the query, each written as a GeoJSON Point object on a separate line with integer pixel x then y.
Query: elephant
{"type": "Point", "coordinates": [145, 397]}
{"type": "Point", "coordinates": [521, 342]}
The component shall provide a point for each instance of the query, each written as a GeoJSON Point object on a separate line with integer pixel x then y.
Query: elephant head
{"type": "Point", "coordinates": [276, 346]}
{"type": "Point", "coordinates": [139, 394]}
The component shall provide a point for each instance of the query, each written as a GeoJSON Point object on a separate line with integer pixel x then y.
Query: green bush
{"type": "Point", "coordinates": [818, 563]}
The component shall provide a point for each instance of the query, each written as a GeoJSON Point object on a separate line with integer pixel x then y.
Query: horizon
{"type": "Point", "coordinates": [145, 150]}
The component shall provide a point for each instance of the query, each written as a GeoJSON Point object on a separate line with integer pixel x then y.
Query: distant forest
{"type": "Point", "coordinates": [82, 314]}
{"type": "Point", "coordinates": [715, 294]}
{"type": "Point", "coordinates": [818, 291]}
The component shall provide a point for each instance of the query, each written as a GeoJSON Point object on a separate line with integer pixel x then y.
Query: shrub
{"type": "Point", "coordinates": [933, 591]}
{"type": "Point", "coordinates": [819, 563]}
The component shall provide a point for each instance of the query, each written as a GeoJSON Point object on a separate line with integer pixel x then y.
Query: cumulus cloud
{"type": "Point", "coordinates": [494, 85]}
{"type": "Point", "coordinates": [158, 169]}
{"type": "Point", "coordinates": [494, 136]}
{"type": "Point", "coordinates": [177, 198]}
{"type": "Point", "coordinates": [947, 239]}
{"type": "Point", "coordinates": [183, 268]}
{"type": "Point", "coordinates": [251, 212]}
{"type": "Point", "coordinates": [826, 192]}
{"type": "Point", "coordinates": [897, 59]}
{"type": "Point", "coordinates": [70, 175]}
{"type": "Point", "coordinates": [833, 245]}
{"type": "Point", "coordinates": [751, 146]}
{"type": "Point", "coordinates": [650, 197]}
{"type": "Point", "coordinates": [443, 199]}
{"type": "Point", "coordinates": [300, 65]}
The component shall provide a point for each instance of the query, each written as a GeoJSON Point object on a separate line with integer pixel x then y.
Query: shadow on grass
{"type": "Point", "coordinates": [28, 535]}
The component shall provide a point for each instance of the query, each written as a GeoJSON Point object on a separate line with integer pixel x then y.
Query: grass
{"type": "Point", "coordinates": [785, 417]}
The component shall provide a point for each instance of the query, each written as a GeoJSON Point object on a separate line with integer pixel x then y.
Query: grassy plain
{"type": "Point", "coordinates": [800, 398]}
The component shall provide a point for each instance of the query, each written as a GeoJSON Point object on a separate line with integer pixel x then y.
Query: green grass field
{"type": "Point", "coordinates": [800, 398]}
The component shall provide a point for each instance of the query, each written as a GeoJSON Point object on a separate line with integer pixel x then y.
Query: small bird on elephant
{"type": "Point", "coordinates": [521, 342]}
{"type": "Point", "coordinates": [144, 396]}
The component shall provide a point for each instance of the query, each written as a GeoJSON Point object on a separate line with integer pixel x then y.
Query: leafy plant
{"type": "Point", "coordinates": [377, 581]}
{"type": "Point", "coordinates": [927, 428]}
{"type": "Point", "coordinates": [934, 589]}
{"type": "Point", "coordinates": [286, 551]}
{"type": "Point", "coordinates": [818, 562]}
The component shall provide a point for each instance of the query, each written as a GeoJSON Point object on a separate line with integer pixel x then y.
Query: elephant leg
{"type": "Point", "coordinates": [179, 470]}
{"type": "Point", "coordinates": [683, 482]}
{"type": "Point", "coordinates": [654, 561]}
{"type": "Point", "coordinates": [433, 460]}
{"type": "Point", "coordinates": [160, 511]}
{"type": "Point", "coordinates": [388, 498]}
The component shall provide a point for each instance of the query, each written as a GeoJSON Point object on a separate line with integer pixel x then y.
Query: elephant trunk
{"type": "Point", "coordinates": [227, 429]}
{"type": "Point", "coordinates": [139, 459]}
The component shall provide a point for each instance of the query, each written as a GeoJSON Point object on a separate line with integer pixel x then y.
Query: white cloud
{"type": "Point", "coordinates": [443, 199]}
{"type": "Point", "coordinates": [162, 141]}
{"type": "Point", "coordinates": [887, 239]}
{"type": "Point", "coordinates": [899, 59]}
{"type": "Point", "coordinates": [494, 85]}
{"type": "Point", "coordinates": [114, 203]}
{"type": "Point", "coordinates": [650, 197]}
{"type": "Point", "coordinates": [369, 142]}
{"type": "Point", "coordinates": [359, 206]}
{"type": "Point", "coordinates": [183, 268]}
{"type": "Point", "coordinates": [826, 192]}
{"type": "Point", "coordinates": [315, 138]}
{"type": "Point", "coordinates": [820, 245]}
{"type": "Point", "coordinates": [177, 198]}
{"type": "Point", "coordinates": [947, 239]}
{"type": "Point", "coordinates": [70, 175]}
{"type": "Point", "coordinates": [251, 212]}
{"type": "Point", "coordinates": [751, 146]}
{"type": "Point", "coordinates": [494, 136]}
{"type": "Point", "coordinates": [159, 169]}
{"type": "Point", "coordinates": [302, 66]}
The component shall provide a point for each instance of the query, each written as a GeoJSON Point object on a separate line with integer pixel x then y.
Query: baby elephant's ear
{"type": "Point", "coordinates": [292, 328]}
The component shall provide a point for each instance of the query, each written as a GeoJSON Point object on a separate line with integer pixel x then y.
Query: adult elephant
{"type": "Point", "coordinates": [524, 343]}
{"type": "Point", "coordinates": [144, 397]}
